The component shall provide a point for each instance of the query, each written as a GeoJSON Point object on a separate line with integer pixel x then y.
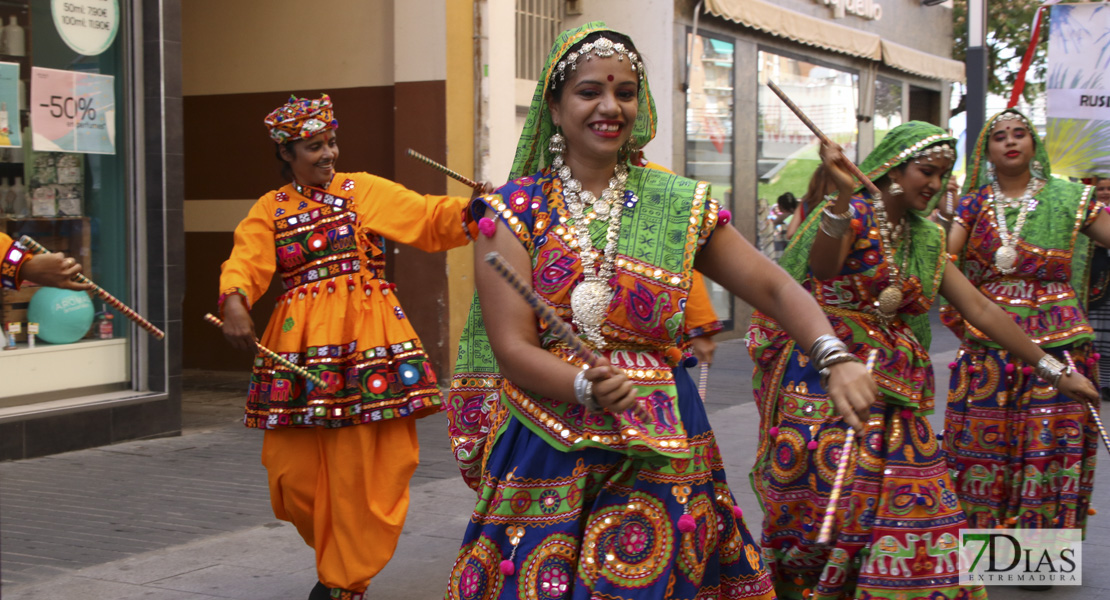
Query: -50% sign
{"type": "Point", "coordinates": [69, 107]}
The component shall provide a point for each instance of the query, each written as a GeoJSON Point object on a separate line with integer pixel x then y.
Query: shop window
{"type": "Point", "coordinates": [787, 152]}
{"type": "Point", "coordinates": [888, 107]}
{"type": "Point", "coordinates": [709, 120]}
{"type": "Point", "coordinates": [63, 182]}
{"type": "Point", "coordinates": [924, 105]}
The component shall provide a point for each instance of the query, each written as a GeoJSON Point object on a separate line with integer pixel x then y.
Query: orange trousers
{"type": "Point", "coordinates": [347, 492]}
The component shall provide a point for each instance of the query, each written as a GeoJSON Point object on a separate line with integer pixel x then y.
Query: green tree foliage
{"type": "Point", "coordinates": [1008, 32]}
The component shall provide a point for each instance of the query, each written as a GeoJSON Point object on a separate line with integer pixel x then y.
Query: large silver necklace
{"type": "Point", "coordinates": [591, 297]}
{"type": "Point", "coordinates": [1005, 258]}
{"type": "Point", "coordinates": [890, 298]}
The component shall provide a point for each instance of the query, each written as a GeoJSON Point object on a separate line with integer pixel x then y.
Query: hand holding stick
{"type": "Point", "coordinates": [841, 471]}
{"type": "Point", "coordinates": [114, 302]}
{"type": "Point", "coordinates": [213, 319]}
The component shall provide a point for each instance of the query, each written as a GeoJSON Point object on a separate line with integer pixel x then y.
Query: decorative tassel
{"type": "Point", "coordinates": [686, 524]}
{"type": "Point", "coordinates": [737, 511]}
{"type": "Point", "coordinates": [487, 227]}
{"type": "Point", "coordinates": [725, 216]}
{"type": "Point", "coordinates": [774, 431]}
{"type": "Point", "coordinates": [812, 445]}
{"type": "Point", "coordinates": [952, 366]}
{"type": "Point", "coordinates": [690, 362]}
{"type": "Point", "coordinates": [507, 566]}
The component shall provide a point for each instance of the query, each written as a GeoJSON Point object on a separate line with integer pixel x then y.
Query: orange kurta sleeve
{"type": "Point", "coordinates": [701, 319]}
{"type": "Point", "coordinates": [12, 258]}
{"type": "Point", "coordinates": [430, 223]}
{"type": "Point", "coordinates": [252, 263]}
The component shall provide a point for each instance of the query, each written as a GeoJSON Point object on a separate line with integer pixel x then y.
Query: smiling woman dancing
{"type": "Point", "coordinates": [581, 496]}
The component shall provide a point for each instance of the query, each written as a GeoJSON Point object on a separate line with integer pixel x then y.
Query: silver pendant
{"type": "Point", "coordinates": [890, 299]}
{"type": "Point", "coordinates": [1005, 258]}
{"type": "Point", "coordinates": [589, 302]}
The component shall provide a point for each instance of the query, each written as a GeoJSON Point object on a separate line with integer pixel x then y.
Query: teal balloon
{"type": "Point", "coordinates": [64, 316]}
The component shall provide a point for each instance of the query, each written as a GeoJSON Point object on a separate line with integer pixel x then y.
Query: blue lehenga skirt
{"type": "Point", "coordinates": [596, 524]}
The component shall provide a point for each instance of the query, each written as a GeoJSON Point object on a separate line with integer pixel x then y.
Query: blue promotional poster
{"type": "Point", "coordinates": [10, 135]}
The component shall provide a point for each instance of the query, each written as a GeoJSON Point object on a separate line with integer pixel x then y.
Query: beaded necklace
{"type": "Point", "coordinates": [1005, 258]}
{"type": "Point", "coordinates": [590, 299]}
{"type": "Point", "coordinates": [890, 298]}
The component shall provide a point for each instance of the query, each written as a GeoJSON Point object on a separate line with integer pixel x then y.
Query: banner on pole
{"type": "Point", "coordinates": [1078, 89]}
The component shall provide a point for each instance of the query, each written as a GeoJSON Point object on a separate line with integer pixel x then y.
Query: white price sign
{"type": "Point", "coordinates": [87, 26]}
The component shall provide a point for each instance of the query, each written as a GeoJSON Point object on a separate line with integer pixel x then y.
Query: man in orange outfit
{"type": "Point", "coordinates": [339, 457]}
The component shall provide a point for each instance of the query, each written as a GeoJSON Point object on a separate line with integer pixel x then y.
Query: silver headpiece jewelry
{"type": "Point", "coordinates": [1011, 116]}
{"type": "Point", "coordinates": [933, 153]}
{"type": "Point", "coordinates": [601, 48]}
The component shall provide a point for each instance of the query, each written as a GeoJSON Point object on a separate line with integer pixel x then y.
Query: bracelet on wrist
{"type": "Point", "coordinates": [584, 393]}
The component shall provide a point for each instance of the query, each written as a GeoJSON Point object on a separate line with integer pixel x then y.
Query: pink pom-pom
{"type": "Point", "coordinates": [907, 414]}
{"type": "Point", "coordinates": [725, 216]}
{"type": "Point", "coordinates": [973, 369]}
{"type": "Point", "coordinates": [1096, 356]}
{"type": "Point", "coordinates": [1027, 370]}
{"type": "Point", "coordinates": [737, 511]}
{"type": "Point", "coordinates": [507, 567]}
{"type": "Point", "coordinates": [774, 432]}
{"type": "Point", "coordinates": [1092, 361]}
{"type": "Point", "coordinates": [812, 445]}
{"type": "Point", "coordinates": [686, 524]}
{"type": "Point", "coordinates": [487, 226]}
{"type": "Point", "coordinates": [1010, 368]}
{"type": "Point", "coordinates": [952, 366]}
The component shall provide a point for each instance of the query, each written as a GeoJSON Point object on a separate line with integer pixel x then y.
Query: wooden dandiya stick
{"type": "Point", "coordinates": [446, 171]}
{"type": "Point", "coordinates": [841, 471]}
{"type": "Point", "coordinates": [213, 319]}
{"type": "Point", "coordinates": [852, 168]}
{"type": "Point", "coordinates": [101, 293]}
{"type": "Point", "coordinates": [1091, 408]}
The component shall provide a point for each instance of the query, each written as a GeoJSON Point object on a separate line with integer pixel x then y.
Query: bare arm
{"type": "Point", "coordinates": [732, 262]}
{"type": "Point", "coordinates": [795, 222]}
{"type": "Point", "coordinates": [988, 317]}
{"type": "Point", "coordinates": [827, 255]}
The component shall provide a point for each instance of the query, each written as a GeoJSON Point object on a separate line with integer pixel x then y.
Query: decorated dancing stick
{"type": "Point", "coordinates": [852, 168]}
{"type": "Point", "coordinates": [448, 172]}
{"type": "Point", "coordinates": [703, 381]}
{"type": "Point", "coordinates": [114, 302]}
{"type": "Point", "coordinates": [558, 326]}
{"type": "Point", "coordinates": [213, 319]}
{"type": "Point", "coordinates": [841, 471]}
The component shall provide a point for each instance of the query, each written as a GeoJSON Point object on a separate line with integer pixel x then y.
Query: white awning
{"type": "Point", "coordinates": [812, 31]}
{"type": "Point", "coordinates": [921, 63]}
{"type": "Point", "coordinates": [798, 27]}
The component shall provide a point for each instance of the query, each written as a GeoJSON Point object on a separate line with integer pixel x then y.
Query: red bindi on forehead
{"type": "Point", "coordinates": [610, 78]}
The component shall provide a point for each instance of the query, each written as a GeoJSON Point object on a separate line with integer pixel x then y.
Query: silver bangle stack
{"type": "Point", "coordinates": [828, 350]}
{"type": "Point", "coordinates": [1050, 369]}
{"type": "Point", "coordinates": [835, 225]}
{"type": "Point", "coordinates": [584, 393]}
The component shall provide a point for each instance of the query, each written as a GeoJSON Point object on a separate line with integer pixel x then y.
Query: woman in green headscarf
{"type": "Point", "coordinates": [875, 266]}
{"type": "Point", "coordinates": [1023, 455]}
{"type": "Point", "coordinates": [607, 482]}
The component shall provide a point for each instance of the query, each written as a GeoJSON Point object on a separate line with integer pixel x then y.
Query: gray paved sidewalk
{"type": "Point", "coordinates": [188, 518]}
